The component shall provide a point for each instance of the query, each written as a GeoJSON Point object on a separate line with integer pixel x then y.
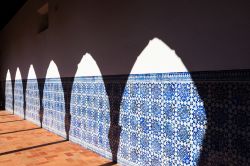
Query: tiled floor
{"type": "Point", "coordinates": [25, 144]}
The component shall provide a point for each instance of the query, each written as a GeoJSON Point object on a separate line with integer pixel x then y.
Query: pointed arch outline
{"type": "Point", "coordinates": [154, 108]}
{"type": "Point", "coordinates": [32, 97]}
{"type": "Point", "coordinates": [53, 101]}
{"type": "Point", "coordinates": [8, 93]}
{"type": "Point", "coordinates": [18, 94]}
{"type": "Point", "coordinates": [90, 112]}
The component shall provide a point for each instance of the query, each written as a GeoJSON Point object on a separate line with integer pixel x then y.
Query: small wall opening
{"type": "Point", "coordinates": [43, 17]}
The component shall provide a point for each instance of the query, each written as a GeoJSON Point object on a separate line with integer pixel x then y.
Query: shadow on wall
{"type": "Point", "coordinates": [210, 109]}
{"type": "Point", "coordinates": [203, 39]}
{"type": "Point", "coordinates": [227, 105]}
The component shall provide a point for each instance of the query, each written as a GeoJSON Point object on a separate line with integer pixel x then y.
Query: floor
{"type": "Point", "coordinates": [25, 144]}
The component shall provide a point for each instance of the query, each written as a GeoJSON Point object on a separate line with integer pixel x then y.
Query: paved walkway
{"type": "Point", "coordinates": [23, 143]}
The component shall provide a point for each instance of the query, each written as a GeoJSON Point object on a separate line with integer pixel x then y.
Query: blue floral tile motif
{"type": "Point", "coordinates": [8, 96]}
{"type": "Point", "coordinates": [168, 150]}
{"type": "Point", "coordinates": [165, 119]}
{"type": "Point", "coordinates": [199, 115]}
{"type": "Point", "coordinates": [54, 106]}
{"type": "Point", "coordinates": [90, 115]}
{"type": "Point", "coordinates": [158, 121]}
{"type": "Point", "coordinates": [183, 155]}
{"type": "Point", "coordinates": [168, 91]}
{"type": "Point", "coordinates": [183, 91]}
{"type": "Point", "coordinates": [183, 133]}
{"type": "Point", "coordinates": [168, 130]}
{"type": "Point", "coordinates": [32, 101]}
{"type": "Point", "coordinates": [18, 98]}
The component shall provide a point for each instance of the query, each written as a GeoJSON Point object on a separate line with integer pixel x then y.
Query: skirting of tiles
{"type": "Point", "coordinates": [154, 119]}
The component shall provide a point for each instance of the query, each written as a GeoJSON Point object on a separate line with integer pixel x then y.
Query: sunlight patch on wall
{"type": "Point", "coordinates": [18, 95]}
{"type": "Point", "coordinates": [90, 108]}
{"type": "Point", "coordinates": [32, 97]}
{"type": "Point", "coordinates": [32, 73]}
{"type": "Point", "coordinates": [157, 57]}
{"type": "Point", "coordinates": [87, 67]}
{"type": "Point", "coordinates": [90, 117]}
{"type": "Point", "coordinates": [52, 71]}
{"type": "Point", "coordinates": [156, 113]}
{"type": "Point", "coordinates": [53, 102]}
{"type": "Point", "coordinates": [8, 77]}
{"type": "Point", "coordinates": [8, 93]}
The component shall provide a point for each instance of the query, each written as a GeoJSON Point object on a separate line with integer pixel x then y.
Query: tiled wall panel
{"type": "Point", "coordinates": [8, 96]}
{"type": "Point", "coordinates": [32, 101]}
{"type": "Point", "coordinates": [90, 115]}
{"type": "Point", "coordinates": [19, 98]}
{"type": "Point", "coordinates": [179, 118]}
{"type": "Point", "coordinates": [186, 119]}
{"type": "Point", "coordinates": [163, 120]}
{"type": "Point", "coordinates": [54, 106]}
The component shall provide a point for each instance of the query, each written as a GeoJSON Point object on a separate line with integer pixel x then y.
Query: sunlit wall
{"type": "Point", "coordinates": [8, 93]}
{"type": "Point", "coordinates": [158, 111]}
{"type": "Point", "coordinates": [18, 95]}
{"type": "Point", "coordinates": [90, 115]}
{"type": "Point", "coordinates": [53, 102]}
{"type": "Point", "coordinates": [32, 97]}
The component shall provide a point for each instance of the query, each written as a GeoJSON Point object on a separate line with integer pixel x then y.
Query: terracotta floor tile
{"type": "Point", "coordinates": [25, 144]}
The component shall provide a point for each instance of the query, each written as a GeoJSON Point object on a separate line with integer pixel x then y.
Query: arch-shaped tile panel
{"type": "Point", "coordinates": [90, 117]}
{"type": "Point", "coordinates": [158, 112]}
{"type": "Point", "coordinates": [32, 97]}
{"type": "Point", "coordinates": [53, 102]}
{"type": "Point", "coordinates": [8, 93]}
{"type": "Point", "coordinates": [18, 95]}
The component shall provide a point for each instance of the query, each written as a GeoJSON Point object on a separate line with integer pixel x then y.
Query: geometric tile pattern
{"type": "Point", "coordinates": [227, 140]}
{"type": "Point", "coordinates": [90, 117]}
{"type": "Point", "coordinates": [18, 98]}
{"type": "Point", "coordinates": [32, 101]}
{"type": "Point", "coordinates": [8, 96]}
{"type": "Point", "coordinates": [166, 119]}
{"type": "Point", "coordinates": [163, 121]}
{"type": "Point", "coordinates": [54, 106]}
